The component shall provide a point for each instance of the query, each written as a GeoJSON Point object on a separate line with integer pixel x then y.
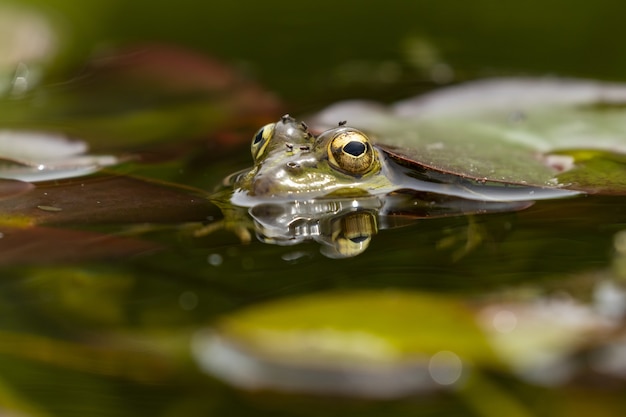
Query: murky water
{"type": "Point", "coordinates": [116, 333]}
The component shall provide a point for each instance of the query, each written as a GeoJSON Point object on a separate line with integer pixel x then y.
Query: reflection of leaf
{"type": "Point", "coordinates": [501, 130]}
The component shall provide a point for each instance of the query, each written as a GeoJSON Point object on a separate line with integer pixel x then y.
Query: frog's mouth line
{"type": "Point", "coordinates": [275, 186]}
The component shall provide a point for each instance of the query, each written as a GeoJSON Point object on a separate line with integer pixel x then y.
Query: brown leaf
{"type": "Point", "coordinates": [13, 188]}
{"type": "Point", "coordinates": [107, 199]}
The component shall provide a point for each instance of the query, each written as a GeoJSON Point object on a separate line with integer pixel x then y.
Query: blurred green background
{"type": "Point", "coordinates": [307, 51]}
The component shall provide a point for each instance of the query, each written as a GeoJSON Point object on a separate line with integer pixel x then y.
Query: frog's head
{"type": "Point", "coordinates": [289, 161]}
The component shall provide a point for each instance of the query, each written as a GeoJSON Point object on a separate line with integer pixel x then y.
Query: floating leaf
{"type": "Point", "coordinates": [537, 337]}
{"type": "Point", "coordinates": [331, 342]}
{"type": "Point", "coordinates": [39, 156]}
{"type": "Point", "coordinates": [12, 188]}
{"type": "Point", "coordinates": [91, 201]}
{"type": "Point", "coordinates": [516, 131]}
{"type": "Point", "coordinates": [108, 199]}
{"type": "Point", "coordinates": [380, 344]}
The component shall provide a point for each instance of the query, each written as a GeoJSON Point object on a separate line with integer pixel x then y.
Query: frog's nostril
{"type": "Point", "coordinates": [293, 165]}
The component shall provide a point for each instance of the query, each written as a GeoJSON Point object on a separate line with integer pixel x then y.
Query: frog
{"type": "Point", "coordinates": [322, 186]}
{"type": "Point", "coordinates": [291, 163]}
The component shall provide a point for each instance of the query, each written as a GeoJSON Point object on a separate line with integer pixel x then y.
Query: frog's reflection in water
{"type": "Point", "coordinates": [345, 227]}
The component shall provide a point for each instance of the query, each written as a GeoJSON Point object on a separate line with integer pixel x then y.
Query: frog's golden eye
{"type": "Point", "coordinates": [261, 139]}
{"type": "Point", "coordinates": [350, 151]}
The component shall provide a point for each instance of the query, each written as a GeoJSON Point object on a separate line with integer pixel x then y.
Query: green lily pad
{"type": "Point", "coordinates": [372, 343]}
{"type": "Point", "coordinates": [392, 342]}
{"type": "Point", "coordinates": [597, 172]}
{"type": "Point", "coordinates": [395, 324]}
{"type": "Point", "coordinates": [514, 131]}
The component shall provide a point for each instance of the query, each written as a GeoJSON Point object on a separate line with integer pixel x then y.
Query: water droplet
{"type": "Point", "coordinates": [215, 259]}
{"type": "Point", "coordinates": [445, 367]}
{"type": "Point", "coordinates": [49, 208]}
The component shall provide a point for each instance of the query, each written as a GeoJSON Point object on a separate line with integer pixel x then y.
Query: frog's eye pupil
{"type": "Point", "coordinates": [359, 239]}
{"type": "Point", "coordinates": [259, 137]}
{"type": "Point", "coordinates": [261, 140]}
{"type": "Point", "coordinates": [350, 151]}
{"type": "Point", "coordinates": [355, 148]}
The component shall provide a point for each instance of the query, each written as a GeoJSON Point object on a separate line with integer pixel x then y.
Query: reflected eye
{"type": "Point", "coordinates": [261, 139]}
{"type": "Point", "coordinates": [350, 151]}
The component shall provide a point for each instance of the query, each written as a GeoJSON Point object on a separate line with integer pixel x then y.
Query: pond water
{"type": "Point", "coordinates": [113, 336]}
{"type": "Point", "coordinates": [113, 304]}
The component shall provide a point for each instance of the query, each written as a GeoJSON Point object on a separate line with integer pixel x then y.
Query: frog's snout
{"type": "Point", "coordinates": [271, 181]}
{"type": "Point", "coordinates": [261, 186]}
